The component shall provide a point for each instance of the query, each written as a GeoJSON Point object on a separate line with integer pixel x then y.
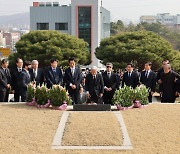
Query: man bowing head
{"type": "Point", "coordinates": [94, 85]}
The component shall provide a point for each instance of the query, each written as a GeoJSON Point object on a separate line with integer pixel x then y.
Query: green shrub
{"type": "Point", "coordinates": [31, 92]}
{"type": "Point", "coordinates": [127, 95]}
{"type": "Point", "coordinates": [124, 96]}
{"type": "Point", "coordinates": [141, 94]}
{"type": "Point", "coordinates": [58, 96]}
{"type": "Point", "coordinates": [41, 95]}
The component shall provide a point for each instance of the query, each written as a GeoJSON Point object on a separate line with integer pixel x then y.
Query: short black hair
{"type": "Point", "coordinates": [3, 61]}
{"type": "Point", "coordinates": [71, 59]}
{"type": "Point", "coordinates": [17, 60]}
{"type": "Point", "coordinates": [149, 63]}
{"type": "Point", "coordinates": [165, 60]}
{"type": "Point", "coordinates": [53, 60]}
{"type": "Point", "coordinates": [130, 64]}
{"type": "Point", "coordinates": [27, 63]}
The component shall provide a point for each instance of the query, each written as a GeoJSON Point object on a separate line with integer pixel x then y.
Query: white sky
{"type": "Point", "coordinates": [120, 9]}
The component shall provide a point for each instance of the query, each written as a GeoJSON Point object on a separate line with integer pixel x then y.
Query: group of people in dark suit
{"type": "Point", "coordinates": [5, 80]}
{"type": "Point", "coordinates": [94, 87]}
{"type": "Point", "coordinates": [104, 85]}
{"type": "Point", "coordinates": [25, 72]}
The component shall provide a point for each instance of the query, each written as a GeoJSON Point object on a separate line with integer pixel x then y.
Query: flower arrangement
{"type": "Point", "coordinates": [127, 97]}
{"type": "Point", "coordinates": [124, 96]}
{"type": "Point", "coordinates": [42, 97]}
{"type": "Point", "coordinates": [31, 92]}
{"type": "Point", "coordinates": [58, 96]}
{"type": "Point", "coordinates": [141, 94]}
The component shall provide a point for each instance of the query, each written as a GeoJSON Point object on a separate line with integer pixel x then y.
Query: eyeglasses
{"type": "Point", "coordinates": [108, 66]}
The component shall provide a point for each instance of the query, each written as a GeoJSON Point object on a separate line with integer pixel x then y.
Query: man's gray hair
{"type": "Point", "coordinates": [34, 61]}
{"type": "Point", "coordinates": [109, 64]}
{"type": "Point", "coordinates": [94, 68]}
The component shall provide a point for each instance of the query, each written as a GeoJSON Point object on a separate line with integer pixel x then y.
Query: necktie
{"type": "Point", "coordinates": [129, 74]}
{"type": "Point", "coordinates": [109, 75]}
{"type": "Point", "coordinates": [35, 73]}
{"type": "Point", "coordinates": [146, 74]}
{"type": "Point", "coordinates": [54, 72]}
{"type": "Point", "coordinates": [5, 71]}
{"type": "Point", "coordinates": [94, 79]}
{"type": "Point", "coordinates": [28, 74]}
{"type": "Point", "coordinates": [72, 71]}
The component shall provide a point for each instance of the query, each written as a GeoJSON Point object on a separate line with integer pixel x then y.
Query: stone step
{"type": "Point", "coordinates": [91, 107]}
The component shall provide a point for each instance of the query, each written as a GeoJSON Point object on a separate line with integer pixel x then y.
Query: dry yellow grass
{"type": "Point", "coordinates": [26, 129]}
{"type": "Point", "coordinates": [92, 129]}
{"type": "Point", "coordinates": [155, 129]}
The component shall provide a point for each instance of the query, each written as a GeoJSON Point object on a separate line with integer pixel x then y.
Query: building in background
{"type": "Point", "coordinates": [172, 21]}
{"type": "Point", "coordinates": [82, 18]}
{"type": "Point", "coordinates": [2, 40]}
{"type": "Point", "coordinates": [148, 19]}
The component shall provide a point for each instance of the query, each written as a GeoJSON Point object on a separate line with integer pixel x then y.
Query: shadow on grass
{"type": "Point", "coordinates": [24, 106]}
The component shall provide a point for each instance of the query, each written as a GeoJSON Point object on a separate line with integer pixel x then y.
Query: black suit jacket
{"type": "Point", "coordinates": [159, 72]}
{"type": "Point", "coordinates": [132, 81]}
{"type": "Point", "coordinates": [110, 82]}
{"type": "Point", "coordinates": [15, 80]}
{"type": "Point", "coordinates": [53, 78]}
{"type": "Point", "coordinates": [25, 79]}
{"type": "Point", "coordinates": [150, 81]}
{"type": "Point", "coordinates": [3, 80]}
{"type": "Point", "coordinates": [97, 86]}
{"type": "Point", "coordinates": [178, 85]}
{"type": "Point", "coordinates": [39, 79]}
{"type": "Point", "coordinates": [69, 79]}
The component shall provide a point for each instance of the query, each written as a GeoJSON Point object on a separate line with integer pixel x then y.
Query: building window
{"type": "Point", "coordinates": [61, 26]}
{"type": "Point", "coordinates": [42, 26]}
{"type": "Point", "coordinates": [84, 24]}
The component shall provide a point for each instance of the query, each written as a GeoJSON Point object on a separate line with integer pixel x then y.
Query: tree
{"type": "Point", "coordinates": [136, 47]}
{"type": "Point", "coordinates": [176, 61]}
{"type": "Point", "coordinates": [44, 45]}
{"type": "Point", "coordinates": [170, 34]}
{"type": "Point", "coordinates": [117, 27]}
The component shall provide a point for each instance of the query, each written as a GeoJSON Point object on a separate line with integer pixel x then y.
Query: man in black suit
{"type": "Point", "coordinates": [72, 80]}
{"type": "Point", "coordinates": [130, 78]}
{"type": "Point", "coordinates": [95, 85]}
{"type": "Point", "coordinates": [177, 81]}
{"type": "Point", "coordinates": [25, 79]}
{"type": "Point", "coordinates": [160, 71]}
{"type": "Point", "coordinates": [37, 74]}
{"type": "Point", "coordinates": [4, 67]}
{"type": "Point", "coordinates": [110, 84]}
{"type": "Point", "coordinates": [4, 85]}
{"type": "Point", "coordinates": [168, 82]}
{"type": "Point", "coordinates": [148, 78]}
{"type": "Point", "coordinates": [53, 74]}
{"type": "Point", "coordinates": [15, 78]}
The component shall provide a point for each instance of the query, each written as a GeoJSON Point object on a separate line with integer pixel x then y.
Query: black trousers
{"type": "Point", "coordinates": [94, 98]}
{"type": "Point", "coordinates": [107, 97]}
{"type": "Point", "coordinates": [150, 98]}
{"type": "Point", "coordinates": [2, 96]}
{"type": "Point", "coordinates": [16, 96]}
{"type": "Point", "coordinates": [74, 94]}
{"type": "Point", "coordinates": [6, 96]}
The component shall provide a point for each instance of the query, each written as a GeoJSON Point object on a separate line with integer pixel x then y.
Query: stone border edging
{"type": "Point", "coordinates": [60, 130]}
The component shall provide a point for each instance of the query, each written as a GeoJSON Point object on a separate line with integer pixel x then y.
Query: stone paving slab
{"type": "Point", "coordinates": [60, 130]}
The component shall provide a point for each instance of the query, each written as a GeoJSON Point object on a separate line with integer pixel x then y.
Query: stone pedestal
{"type": "Point", "coordinates": [91, 107]}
